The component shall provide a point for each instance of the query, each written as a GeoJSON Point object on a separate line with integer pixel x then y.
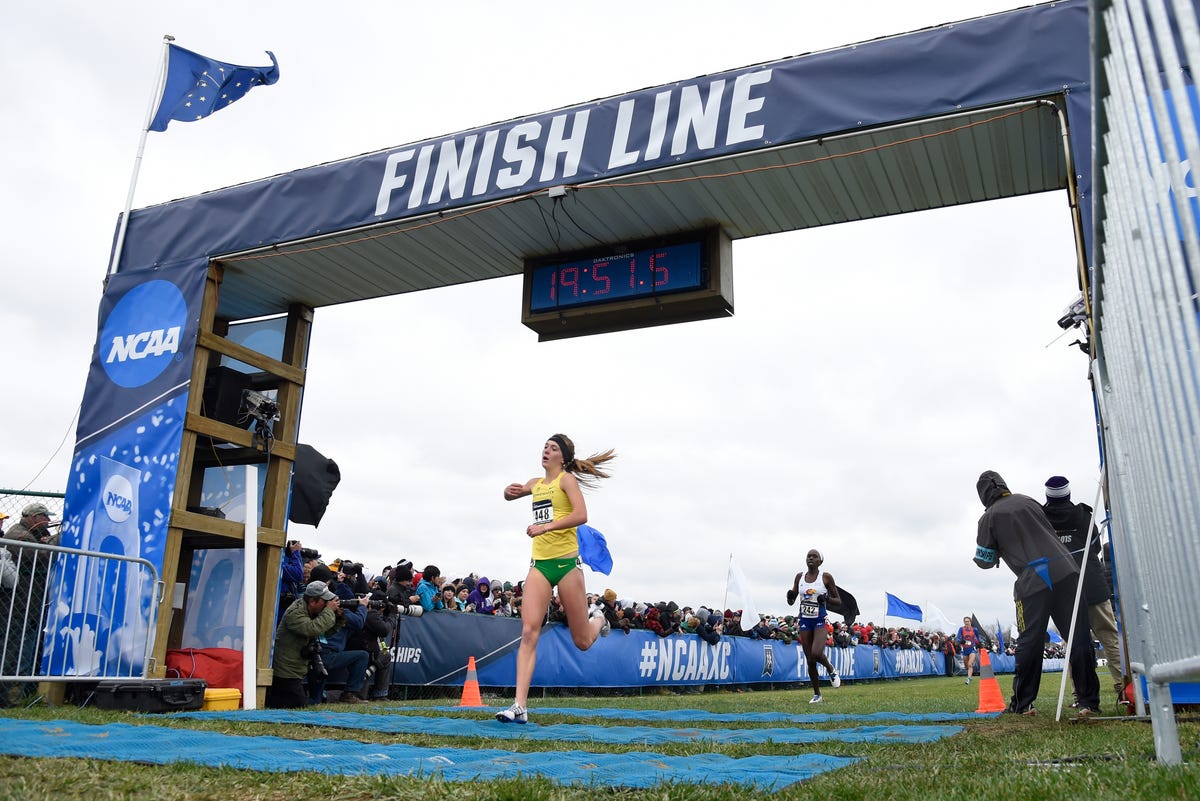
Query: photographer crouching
{"type": "Point", "coordinates": [339, 658]}
{"type": "Point", "coordinates": [309, 616]}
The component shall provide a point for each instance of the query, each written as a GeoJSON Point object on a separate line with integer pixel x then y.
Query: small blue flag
{"type": "Point", "coordinates": [593, 549]}
{"type": "Point", "coordinates": [999, 637]}
{"type": "Point", "coordinates": [196, 86]}
{"type": "Point", "coordinates": [898, 608]}
{"type": "Point", "coordinates": [1042, 568]}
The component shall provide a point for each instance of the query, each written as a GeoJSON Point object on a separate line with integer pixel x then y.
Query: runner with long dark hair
{"type": "Point", "coordinates": [558, 509]}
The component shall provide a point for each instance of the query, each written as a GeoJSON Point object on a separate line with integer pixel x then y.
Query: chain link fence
{"type": "Point", "coordinates": [12, 501]}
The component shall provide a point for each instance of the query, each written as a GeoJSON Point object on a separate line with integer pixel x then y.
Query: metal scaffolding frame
{"type": "Point", "coordinates": [1146, 341]}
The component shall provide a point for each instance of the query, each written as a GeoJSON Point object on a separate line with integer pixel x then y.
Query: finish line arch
{"type": "Point", "coordinates": [988, 108]}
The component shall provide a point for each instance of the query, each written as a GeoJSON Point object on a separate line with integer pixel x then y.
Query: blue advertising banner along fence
{"type": "Point", "coordinates": [1025, 53]}
{"type": "Point", "coordinates": [434, 649]}
{"type": "Point", "coordinates": [118, 497]}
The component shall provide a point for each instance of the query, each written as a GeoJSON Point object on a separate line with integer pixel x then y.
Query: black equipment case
{"type": "Point", "coordinates": [150, 695]}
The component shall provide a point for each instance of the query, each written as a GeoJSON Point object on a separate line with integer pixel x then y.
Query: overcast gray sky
{"type": "Point", "coordinates": [854, 416]}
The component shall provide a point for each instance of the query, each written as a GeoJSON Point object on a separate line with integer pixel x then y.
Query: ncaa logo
{"type": "Point", "coordinates": [118, 499]}
{"type": "Point", "coordinates": [141, 337]}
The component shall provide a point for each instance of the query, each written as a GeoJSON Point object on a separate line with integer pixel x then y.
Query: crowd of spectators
{"type": "Point", "coordinates": [400, 589]}
{"type": "Point", "coordinates": [417, 591]}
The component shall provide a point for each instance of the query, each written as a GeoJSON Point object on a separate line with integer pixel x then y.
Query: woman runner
{"type": "Point", "coordinates": [558, 509]}
{"type": "Point", "coordinates": [968, 638]}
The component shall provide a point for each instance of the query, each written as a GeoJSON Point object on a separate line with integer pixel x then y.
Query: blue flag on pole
{"type": "Point", "coordinates": [196, 86]}
{"type": "Point", "coordinates": [999, 637]}
{"type": "Point", "coordinates": [593, 550]}
{"type": "Point", "coordinates": [898, 608]}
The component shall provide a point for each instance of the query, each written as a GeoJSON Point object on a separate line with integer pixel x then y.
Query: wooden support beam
{"type": "Point", "coordinates": [186, 484]}
{"type": "Point", "coordinates": [278, 482]}
{"type": "Point", "coordinates": [225, 347]}
{"type": "Point", "coordinates": [232, 530]}
{"type": "Point", "coordinates": [187, 550]}
{"type": "Point", "coordinates": [283, 447]}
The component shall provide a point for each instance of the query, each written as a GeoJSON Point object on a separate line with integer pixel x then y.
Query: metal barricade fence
{"type": "Point", "coordinates": [70, 615]}
{"type": "Point", "coordinates": [1147, 345]}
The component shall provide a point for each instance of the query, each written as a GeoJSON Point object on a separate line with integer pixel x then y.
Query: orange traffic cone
{"type": "Point", "coordinates": [990, 697]}
{"type": "Point", "coordinates": [470, 696]}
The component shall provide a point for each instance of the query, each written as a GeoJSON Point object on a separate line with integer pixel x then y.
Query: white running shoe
{"type": "Point", "coordinates": [514, 714]}
{"type": "Point", "coordinates": [816, 699]}
{"type": "Point", "coordinates": [597, 611]}
{"type": "Point", "coordinates": [835, 680]}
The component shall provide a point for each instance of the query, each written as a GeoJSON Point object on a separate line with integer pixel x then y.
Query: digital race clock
{"type": "Point", "coordinates": [672, 279]}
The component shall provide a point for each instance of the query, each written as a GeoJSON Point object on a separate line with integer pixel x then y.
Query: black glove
{"type": "Point", "coordinates": [791, 597]}
{"type": "Point", "coordinates": [823, 598]}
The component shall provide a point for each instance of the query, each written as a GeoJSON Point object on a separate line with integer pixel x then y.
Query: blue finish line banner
{"type": "Point", "coordinates": [435, 648]}
{"type": "Point", "coordinates": [1030, 52]}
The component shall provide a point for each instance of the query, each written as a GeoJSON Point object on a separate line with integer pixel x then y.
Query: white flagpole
{"type": "Point", "coordinates": [1069, 640]}
{"type": "Point", "coordinates": [155, 99]}
{"type": "Point", "coordinates": [728, 572]}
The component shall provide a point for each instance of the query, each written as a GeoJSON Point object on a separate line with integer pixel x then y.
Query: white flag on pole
{"type": "Point", "coordinates": [736, 584]}
{"type": "Point", "coordinates": [935, 620]}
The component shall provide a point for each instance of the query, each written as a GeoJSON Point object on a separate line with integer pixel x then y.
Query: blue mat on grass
{"type": "Point", "coordinates": [580, 732]}
{"type": "Point", "coordinates": [159, 745]}
{"type": "Point", "coordinates": [698, 715]}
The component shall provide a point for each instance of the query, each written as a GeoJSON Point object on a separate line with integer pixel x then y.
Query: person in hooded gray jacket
{"type": "Point", "coordinates": [1014, 528]}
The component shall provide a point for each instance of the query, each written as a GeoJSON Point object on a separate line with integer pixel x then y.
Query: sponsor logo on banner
{"type": "Point", "coordinates": [406, 655]}
{"type": "Point", "coordinates": [910, 662]}
{"type": "Point", "coordinates": [117, 498]}
{"type": "Point", "coordinates": [678, 659]}
{"type": "Point", "coordinates": [142, 334]}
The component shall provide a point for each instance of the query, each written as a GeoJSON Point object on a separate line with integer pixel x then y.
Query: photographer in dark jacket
{"type": "Point", "coordinates": [382, 618]}
{"type": "Point", "coordinates": [351, 616]}
{"type": "Point", "coordinates": [352, 576]}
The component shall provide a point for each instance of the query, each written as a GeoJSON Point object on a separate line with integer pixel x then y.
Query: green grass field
{"type": "Point", "coordinates": [1000, 757]}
